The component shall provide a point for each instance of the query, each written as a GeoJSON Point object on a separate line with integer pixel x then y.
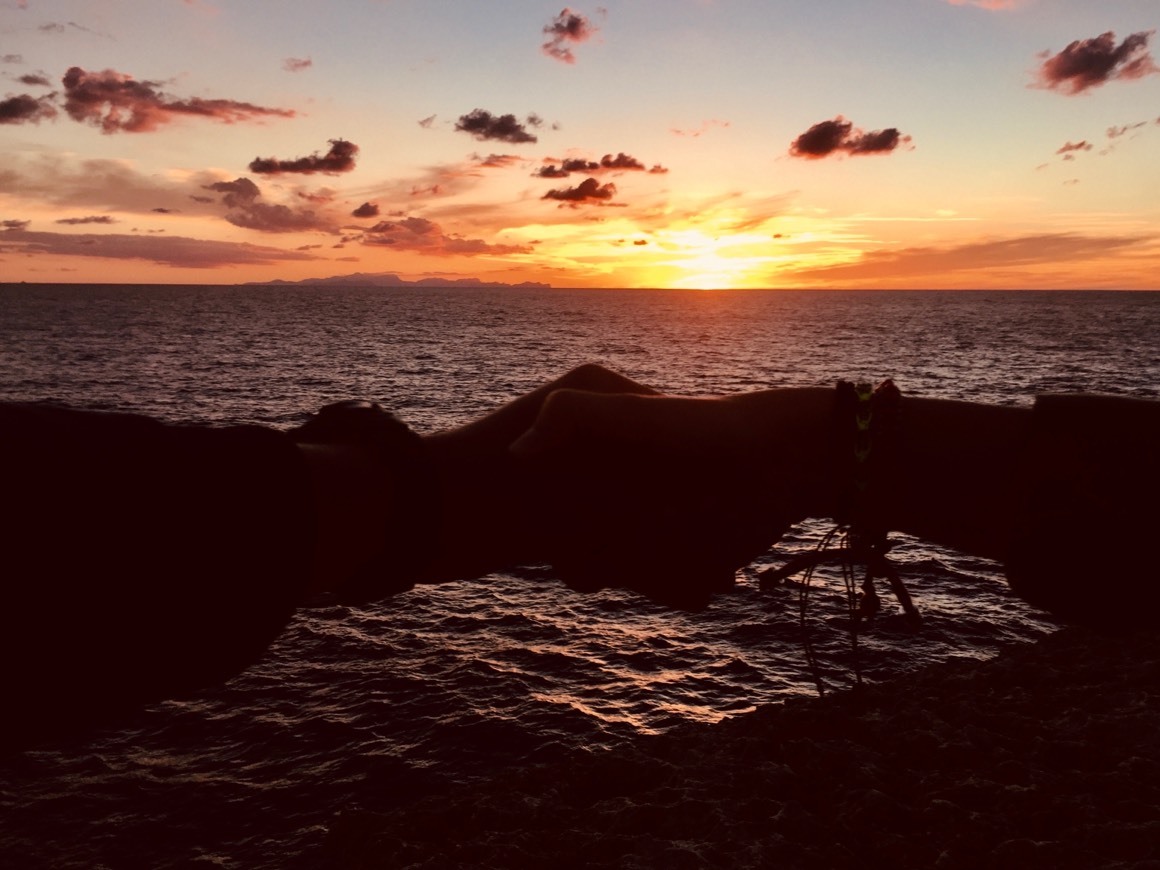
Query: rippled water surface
{"type": "Point", "coordinates": [363, 708]}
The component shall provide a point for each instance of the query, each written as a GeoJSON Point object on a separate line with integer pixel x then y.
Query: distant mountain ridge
{"type": "Point", "coordinates": [389, 279]}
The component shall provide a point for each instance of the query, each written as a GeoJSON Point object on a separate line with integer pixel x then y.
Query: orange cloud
{"type": "Point", "coordinates": [1021, 251]}
{"type": "Point", "coordinates": [173, 251]}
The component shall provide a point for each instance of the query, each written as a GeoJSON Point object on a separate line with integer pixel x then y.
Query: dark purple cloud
{"type": "Point", "coordinates": [24, 109]}
{"type": "Point", "coordinates": [237, 192]}
{"type": "Point", "coordinates": [566, 29]}
{"type": "Point", "coordinates": [366, 210]}
{"type": "Point", "coordinates": [620, 163]}
{"type": "Point", "coordinates": [90, 219]}
{"type": "Point", "coordinates": [243, 199]}
{"type": "Point", "coordinates": [580, 165]}
{"type": "Point", "coordinates": [340, 158]}
{"type": "Point", "coordinates": [877, 142]}
{"type": "Point", "coordinates": [587, 191]}
{"type": "Point", "coordinates": [426, 123]}
{"type": "Point", "coordinates": [551, 171]}
{"type": "Point", "coordinates": [839, 137]}
{"type": "Point", "coordinates": [14, 225]}
{"type": "Point", "coordinates": [483, 125]}
{"type": "Point", "coordinates": [297, 64]}
{"type": "Point", "coordinates": [1068, 147]}
{"type": "Point", "coordinates": [822, 139]}
{"type": "Point", "coordinates": [35, 80]}
{"type": "Point", "coordinates": [427, 237]}
{"type": "Point", "coordinates": [1089, 63]}
{"type": "Point", "coordinates": [116, 102]}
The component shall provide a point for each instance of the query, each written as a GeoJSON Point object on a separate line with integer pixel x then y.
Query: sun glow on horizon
{"type": "Point", "coordinates": [697, 259]}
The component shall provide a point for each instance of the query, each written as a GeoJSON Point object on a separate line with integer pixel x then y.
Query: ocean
{"type": "Point", "coordinates": [362, 709]}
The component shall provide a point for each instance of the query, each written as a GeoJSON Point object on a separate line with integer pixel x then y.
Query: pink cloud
{"type": "Point", "coordinates": [566, 28]}
{"type": "Point", "coordinates": [116, 102]}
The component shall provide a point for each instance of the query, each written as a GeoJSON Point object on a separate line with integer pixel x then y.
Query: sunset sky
{"type": "Point", "coordinates": [683, 143]}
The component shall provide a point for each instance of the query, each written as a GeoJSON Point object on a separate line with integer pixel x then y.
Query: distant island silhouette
{"type": "Point", "coordinates": [389, 279]}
